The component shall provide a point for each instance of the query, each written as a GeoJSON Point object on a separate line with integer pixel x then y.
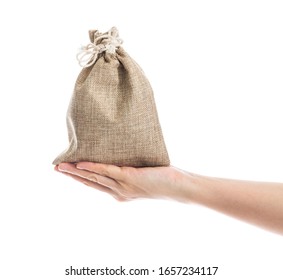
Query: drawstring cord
{"type": "Point", "coordinates": [109, 43]}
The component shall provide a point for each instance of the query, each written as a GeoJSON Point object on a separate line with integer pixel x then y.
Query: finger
{"type": "Point", "coordinates": [91, 176]}
{"type": "Point", "coordinates": [107, 170]}
{"type": "Point", "coordinates": [92, 184]}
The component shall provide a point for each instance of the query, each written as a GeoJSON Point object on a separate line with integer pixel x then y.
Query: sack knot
{"type": "Point", "coordinates": [107, 42]}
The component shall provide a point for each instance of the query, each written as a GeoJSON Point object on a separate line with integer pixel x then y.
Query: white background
{"type": "Point", "coordinates": [216, 68]}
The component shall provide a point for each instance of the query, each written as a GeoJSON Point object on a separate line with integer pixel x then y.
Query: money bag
{"type": "Point", "coordinates": [112, 116]}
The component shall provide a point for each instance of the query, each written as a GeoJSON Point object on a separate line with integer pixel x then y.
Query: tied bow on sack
{"type": "Point", "coordinates": [89, 53]}
{"type": "Point", "coordinates": [112, 117]}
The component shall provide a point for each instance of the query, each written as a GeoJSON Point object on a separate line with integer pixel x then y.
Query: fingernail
{"type": "Point", "coordinates": [78, 166]}
{"type": "Point", "coordinates": [61, 167]}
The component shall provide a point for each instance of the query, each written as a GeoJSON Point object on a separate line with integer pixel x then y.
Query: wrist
{"type": "Point", "coordinates": [186, 186]}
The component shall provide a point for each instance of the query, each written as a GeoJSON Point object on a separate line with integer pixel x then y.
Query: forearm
{"type": "Point", "coordinates": [258, 203]}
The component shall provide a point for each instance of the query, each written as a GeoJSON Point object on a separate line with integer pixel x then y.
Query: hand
{"type": "Point", "coordinates": [126, 183]}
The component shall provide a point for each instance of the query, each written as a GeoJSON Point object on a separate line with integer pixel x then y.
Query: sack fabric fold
{"type": "Point", "coordinates": [112, 116]}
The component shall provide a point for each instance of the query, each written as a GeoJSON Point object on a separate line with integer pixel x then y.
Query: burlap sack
{"type": "Point", "coordinates": [112, 116]}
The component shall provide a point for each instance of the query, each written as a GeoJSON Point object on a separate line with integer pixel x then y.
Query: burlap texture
{"type": "Point", "coordinates": [112, 117]}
